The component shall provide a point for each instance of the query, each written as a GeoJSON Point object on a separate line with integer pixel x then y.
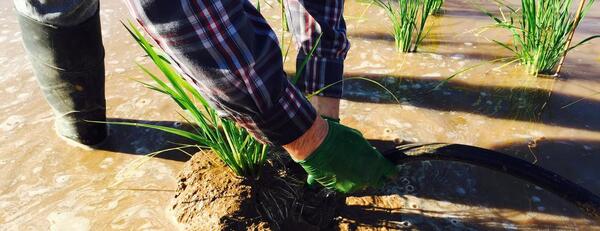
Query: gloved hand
{"type": "Point", "coordinates": [346, 162]}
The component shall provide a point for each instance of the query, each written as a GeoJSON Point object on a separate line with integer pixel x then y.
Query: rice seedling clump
{"type": "Point", "coordinates": [541, 31]}
{"type": "Point", "coordinates": [408, 18]}
{"type": "Point", "coordinates": [230, 142]}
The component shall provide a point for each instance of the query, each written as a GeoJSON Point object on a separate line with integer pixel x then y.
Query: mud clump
{"type": "Point", "coordinates": [210, 196]}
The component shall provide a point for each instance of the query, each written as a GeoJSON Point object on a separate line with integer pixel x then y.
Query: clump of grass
{"type": "Point", "coordinates": [233, 144]}
{"type": "Point", "coordinates": [408, 20]}
{"type": "Point", "coordinates": [541, 31]}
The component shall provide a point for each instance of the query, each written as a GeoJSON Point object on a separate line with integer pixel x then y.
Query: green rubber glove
{"type": "Point", "coordinates": [346, 162]}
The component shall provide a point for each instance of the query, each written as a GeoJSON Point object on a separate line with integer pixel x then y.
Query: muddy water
{"type": "Point", "coordinates": [48, 184]}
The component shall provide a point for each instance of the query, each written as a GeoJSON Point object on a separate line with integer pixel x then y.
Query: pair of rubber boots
{"type": "Point", "coordinates": [68, 63]}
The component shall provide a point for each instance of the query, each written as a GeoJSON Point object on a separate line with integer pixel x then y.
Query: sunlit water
{"type": "Point", "coordinates": [48, 184]}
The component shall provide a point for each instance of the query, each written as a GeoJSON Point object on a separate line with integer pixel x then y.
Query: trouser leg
{"type": "Point", "coordinates": [57, 12]}
{"type": "Point", "coordinates": [230, 53]}
{"type": "Point", "coordinates": [67, 56]}
{"type": "Point", "coordinates": [309, 20]}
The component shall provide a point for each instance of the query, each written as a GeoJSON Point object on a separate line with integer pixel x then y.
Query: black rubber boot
{"type": "Point", "coordinates": [69, 65]}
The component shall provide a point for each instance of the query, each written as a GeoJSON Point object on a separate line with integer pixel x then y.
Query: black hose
{"type": "Point", "coordinates": [587, 201]}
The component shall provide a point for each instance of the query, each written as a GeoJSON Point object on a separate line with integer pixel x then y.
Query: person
{"type": "Point", "coordinates": [227, 50]}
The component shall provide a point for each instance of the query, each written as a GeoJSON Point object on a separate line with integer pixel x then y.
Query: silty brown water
{"type": "Point", "coordinates": [48, 184]}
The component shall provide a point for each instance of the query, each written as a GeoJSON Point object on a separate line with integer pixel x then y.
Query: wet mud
{"type": "Point", "coordinates": [211, 197]}
{"type": "Point", "coordinates": [48, 184]}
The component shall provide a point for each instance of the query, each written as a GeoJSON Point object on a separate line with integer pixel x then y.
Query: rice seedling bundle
{"type": "Point", "coordinates": [408, 19]}
{"type": "Point", "coordinates": [540, 31]}
{"type": "Point", "coordinates": [233, 144]}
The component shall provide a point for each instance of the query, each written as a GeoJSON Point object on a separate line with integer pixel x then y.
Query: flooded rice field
{"type": "Point", "coordinates": [47, 183]}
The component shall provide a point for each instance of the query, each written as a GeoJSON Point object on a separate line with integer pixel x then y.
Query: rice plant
{"type": "Point", "coordinates": [437, 6]}
{"type": "Point", "coordinates": [284, 23]}
{"type": "Point", "coordinates": [408, 20]}
{"type": "Point", "coordinates": [233, 144]}
{"type": "Point", "coordinates": [541, 31]}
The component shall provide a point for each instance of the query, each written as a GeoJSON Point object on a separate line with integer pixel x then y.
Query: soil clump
{"type": "Point", "coordinates": [210, 196]}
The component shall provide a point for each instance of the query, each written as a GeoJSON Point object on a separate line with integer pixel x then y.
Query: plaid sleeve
{"type": "Point", "coordinates": [309, 19]}
{"type": "Point", "coordinates": [229, 52]}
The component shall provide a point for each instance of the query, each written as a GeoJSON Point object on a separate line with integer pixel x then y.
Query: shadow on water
{"type": "Point", "coordinates": [474, 13]}
{"type": "Point", "coordinates": [530, 104]}
{"type": "Point", "coordinates": [377, 218]}
{"type": "Point", "coordinates": [577, 160]}
{"type": "Point", "coordinates": [382, 36]}
{"type": "Point", "coordinates": [369, 218]}
{"type": "Point", "coordinates": [141, 141]}
{"type": "Point", "coordinates": [482, 53]}
{"type": "Point", "coordinates": [463, 184]}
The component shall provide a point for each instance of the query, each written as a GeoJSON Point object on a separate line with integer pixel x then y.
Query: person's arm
{"type": "Point", "coordinates": [227, 50]}
{"type": "Point", "coordinates": [306, 144]}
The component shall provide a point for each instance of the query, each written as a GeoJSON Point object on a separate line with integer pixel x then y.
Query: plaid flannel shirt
{"type": "Point", "coordinates": [227, 49]}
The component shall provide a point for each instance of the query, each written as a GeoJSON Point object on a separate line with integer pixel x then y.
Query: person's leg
{"type": "Point", "coordinates": [64, 44]}
{"type": "Point", "coordinates": [57, 12]}
{"type": "Point", "coordinates": [309, 20]}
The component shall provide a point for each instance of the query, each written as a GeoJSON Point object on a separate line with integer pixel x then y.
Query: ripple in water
{"type": "Point", "coordinates": [13, 121]}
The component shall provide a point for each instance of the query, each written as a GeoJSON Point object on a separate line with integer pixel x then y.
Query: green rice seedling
{"type": "Point", "coordinates": [284, 23]}
{"type": "Point", "coordinates": [296, 76]}
{"type": "Point", "coordinates": [355, 78]}
{"type": "Point", "coordinates": [233, 144]}
{"type": "Point", "coordinates": [408, 20]}
{"type": "Point", "coordinates": [310, 54]}
{"type": "Point", "coordinates": [437, 6]}
{"type": "Point", "coordinates": [595, 92]}
{"type": "Point", "coordinates": [540, 31]}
